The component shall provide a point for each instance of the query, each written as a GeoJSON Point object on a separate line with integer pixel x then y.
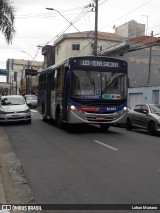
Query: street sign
{"type": "Point", "coordinates": [31, 72]}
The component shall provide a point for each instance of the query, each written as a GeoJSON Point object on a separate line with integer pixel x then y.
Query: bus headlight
{"type": "Point", "coordinates": [125, 108]}
{"type": "Point", "coordinates": [123, 111]}
{"type": "Point", "coordinates": [73, 107]}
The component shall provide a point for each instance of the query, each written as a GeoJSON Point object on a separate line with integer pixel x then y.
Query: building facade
{"type": "Point", "coordinates": [17, 76]}
{"type": "Point", "coordinates": [142, 55]}
{"type": "Point", "coordinates": [131, 29]}
{"type": "Point", "coordinates": [82, 43]}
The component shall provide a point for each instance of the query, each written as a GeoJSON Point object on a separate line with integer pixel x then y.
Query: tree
{"type": "Point", "coordinates": [7, 19]}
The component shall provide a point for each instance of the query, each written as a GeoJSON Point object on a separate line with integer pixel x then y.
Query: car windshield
{"type": "Point", "coordinates": [12, 101]}
{"type": "Point", "coordinates": [32, 97]}
{"type": "Point", "coordinates": [155, 108]}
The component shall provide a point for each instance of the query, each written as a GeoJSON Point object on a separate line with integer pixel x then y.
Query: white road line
{"type": "Point", "coordinates": [103, 144]}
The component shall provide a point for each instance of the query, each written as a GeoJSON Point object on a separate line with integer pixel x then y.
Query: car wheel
{"type": "Point", "coordinates": [129, 124]}
{"type": "Point", "coordinates": [104, 127]}
{"type": "Point", "coordinates": [151, 128]}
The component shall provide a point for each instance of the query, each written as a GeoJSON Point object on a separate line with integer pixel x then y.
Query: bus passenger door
{"type": "Point", "coordinates": [65, 93]}
{"type": "Point", "coordinates": [53, 95]}
{"type": "Point", "coordinates": [48, 104]}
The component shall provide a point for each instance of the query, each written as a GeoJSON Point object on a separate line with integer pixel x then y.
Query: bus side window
{"type": "Point", "coordinates": [40, 84]}
{"type": "Point", "coordinates": [44, 82]}
{"type": "Point", "coordinates": [60, 78]}
{"type": "Point", "coordinates": [54, 79]}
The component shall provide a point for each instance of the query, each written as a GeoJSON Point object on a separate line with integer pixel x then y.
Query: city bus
{"type": "Point", "coordinates": [84, 89]}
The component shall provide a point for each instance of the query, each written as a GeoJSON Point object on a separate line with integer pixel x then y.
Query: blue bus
{"type": "Point", "coordinates": [84, 89]}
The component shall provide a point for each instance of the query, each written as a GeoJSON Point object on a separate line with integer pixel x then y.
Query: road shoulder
{"type": "Point", "coordinates": [15, 186]}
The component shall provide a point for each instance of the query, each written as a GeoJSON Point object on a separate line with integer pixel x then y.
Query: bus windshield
{"type": "Point", "coordinates": [87, 84]}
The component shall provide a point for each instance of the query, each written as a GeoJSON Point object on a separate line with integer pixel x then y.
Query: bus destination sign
{"type": "Point", "coordinates": [94, 63]}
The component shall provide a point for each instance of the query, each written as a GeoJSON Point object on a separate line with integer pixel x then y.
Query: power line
{"type": "Point", "coordinates": [128, 13]}
{"type": "Point", "coordinates": [79, 17]}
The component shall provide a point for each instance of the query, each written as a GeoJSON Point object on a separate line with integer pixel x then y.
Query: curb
{"type": "Point", "coordinates": [2, 194]}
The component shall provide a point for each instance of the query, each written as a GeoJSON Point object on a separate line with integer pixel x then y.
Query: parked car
{"type": "Point", "coordinates": [146, 116]}
{"type": "Point", "coordinates": [31, 100]}
{"type": "Point", "coordinates": [14, 108]}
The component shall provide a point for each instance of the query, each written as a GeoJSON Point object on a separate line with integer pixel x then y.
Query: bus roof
{"type": "Point", "coordinates": [66, 61]}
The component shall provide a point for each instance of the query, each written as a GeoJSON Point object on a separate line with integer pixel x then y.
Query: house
{"type": "Point", "coordinates": [142, 54]}
{"type": "Point", "coordinates": [81, 43]}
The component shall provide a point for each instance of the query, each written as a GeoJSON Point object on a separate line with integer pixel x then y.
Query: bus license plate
{"type": "Point", "coordinates": [100, 118]}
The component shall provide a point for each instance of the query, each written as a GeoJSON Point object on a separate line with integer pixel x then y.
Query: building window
{"type": "Point", "coordinates": [76, 47]}
{"type": "Point", "coordinates": [155, 96]}
{"type": "Point", "coordinates": [58, 49]}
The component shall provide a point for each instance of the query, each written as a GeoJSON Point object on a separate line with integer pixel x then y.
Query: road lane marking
{"type": "Point", "coordinates": [103, 144]}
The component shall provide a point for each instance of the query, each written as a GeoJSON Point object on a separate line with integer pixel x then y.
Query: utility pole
{"type": "Point", "coordinates": [96, 27]}
{"type": "Point", "coordinates": [150, 58]}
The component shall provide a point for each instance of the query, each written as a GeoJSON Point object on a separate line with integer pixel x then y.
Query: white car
{"type": "Point", "coordinates": [14, 108]}
{"type": "Point", "coordinates": [31, 100]}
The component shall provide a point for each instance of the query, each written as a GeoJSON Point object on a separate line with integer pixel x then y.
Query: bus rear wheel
{"type": "Point", "coordinates": [104, 127]}
{"type": "Point", "coordinates": [59, 121]}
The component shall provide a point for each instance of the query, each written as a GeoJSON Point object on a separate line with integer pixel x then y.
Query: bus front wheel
{"type": "Point", "coordinates": [59, 121]}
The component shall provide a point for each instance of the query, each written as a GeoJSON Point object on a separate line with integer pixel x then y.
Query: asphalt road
{"type": "Point", "coordinates": [86, 166]}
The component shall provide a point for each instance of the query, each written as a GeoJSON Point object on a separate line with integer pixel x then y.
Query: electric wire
{"type": "Point", "coordinates": [80, 16]}
{"type": "Point", "coordinates": [128, 13]}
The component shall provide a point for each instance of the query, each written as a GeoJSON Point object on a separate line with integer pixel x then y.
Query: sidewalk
{"type": "Point", "coordinates": [2, 193]}
{"type": "Point", "coordinates": [14, 187]}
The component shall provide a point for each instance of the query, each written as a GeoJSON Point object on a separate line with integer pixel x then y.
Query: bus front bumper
{"type": "Point", "coordinates": [95, 118]}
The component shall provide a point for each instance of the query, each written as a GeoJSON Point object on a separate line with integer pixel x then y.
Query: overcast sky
{"type": "Point", "coordinates": [37, 26]}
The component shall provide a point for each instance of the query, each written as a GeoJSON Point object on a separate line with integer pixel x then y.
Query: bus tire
{"type": "Point", "coordinates": [104, 127]}
{"type": "Point", "coordinates": [59, 121]}
{"type": "Point", "coordinates": [44, 118]}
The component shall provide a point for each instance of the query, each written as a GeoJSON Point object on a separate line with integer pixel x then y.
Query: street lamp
{"type": "Point", "coordinates": [63, 17]}
{"type": "Point", "coordinates": [96, 23]}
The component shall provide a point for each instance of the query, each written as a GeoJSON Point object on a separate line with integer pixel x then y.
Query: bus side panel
{"type": "Point", "coordinates": [41, 100]}
{"type": "Point", "coordinates": [65, 95]}
{"type": "Point", "coordinates": [53, 104]}
{"type": "Point", "coordinates": [48, 101]}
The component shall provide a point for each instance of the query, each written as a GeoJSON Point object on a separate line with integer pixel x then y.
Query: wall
{"type": "Point", "coordinates": [147, 95]}
{"type": "Point", "coordinates": [131, 29]}
{"type": "Point", "coordinates": [18, 66]}
{"type": "Point", "coordinates": [65, 47]}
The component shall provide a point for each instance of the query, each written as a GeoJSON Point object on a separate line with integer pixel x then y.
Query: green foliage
{"type": "Point", "coordinates": [7, 20]}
